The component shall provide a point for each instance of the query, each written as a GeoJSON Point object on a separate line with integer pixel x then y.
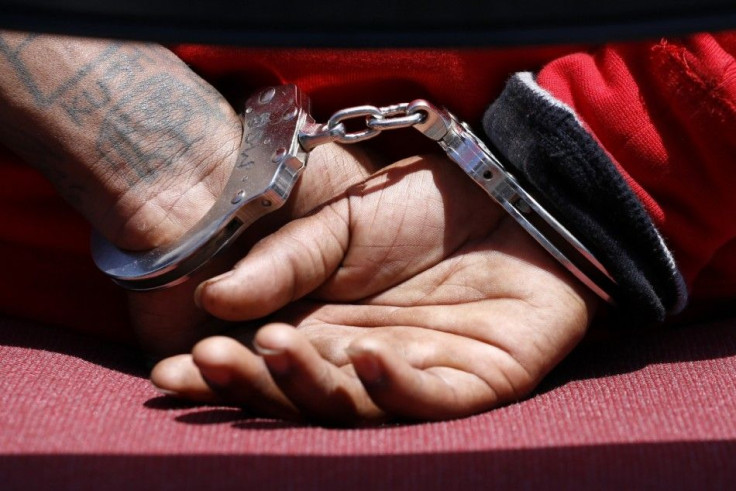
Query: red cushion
{"type": "Point", "coordinates": [652, 411]}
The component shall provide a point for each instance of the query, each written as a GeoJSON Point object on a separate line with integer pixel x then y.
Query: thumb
{"type": "Point", "coordinates": [281, 268]}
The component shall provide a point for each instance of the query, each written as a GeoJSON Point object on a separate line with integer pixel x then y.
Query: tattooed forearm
{"type": "Point", "coordinates": [145, 107]}
{"type": "Point", "coordinates": [22, 57]}
{"type": "Point", "coordinates": [166, 110]}
{"type": "Point", "coordinates": [117, 70]}
{"type": "Point", "coordinates": [107, 120]}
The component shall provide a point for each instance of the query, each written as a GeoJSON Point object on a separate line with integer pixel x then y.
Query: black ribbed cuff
{"type": "Point", "coordinates": [543, 141]}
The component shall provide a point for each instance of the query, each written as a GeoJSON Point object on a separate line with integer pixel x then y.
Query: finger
{"type": "Point", "coordinates": [167, 321]}
{"type": "Point", "coordinates": [331, 169]}
{"type": "Point", "coordinates": [449, 379]}
{"type": "Point", "coordinates": [321, 390]}
{"type": "Point", "coordinates": [238, 376]}
{"type": "Point", "coordinates": [143, 162]}
{"type": "Point", "coordinates": [304, 254]}
{"type": "Point", "coordinates": [282, 268]}
{"type": "Point", "coordinates": [178, 376]}
{"type": "Point", "coordinates": [405, 219]}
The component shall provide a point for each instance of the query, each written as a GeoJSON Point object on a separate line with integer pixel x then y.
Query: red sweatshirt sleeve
{"type": "Point", "coordinates": [665, 113]}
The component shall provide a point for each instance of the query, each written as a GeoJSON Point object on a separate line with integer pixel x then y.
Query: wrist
{"type": "Point", "coordinates": [126, 132]}
{"type": "Point", "coordinates": [545, 142]}
{"type": "Point", "coordinates": [150, 212]}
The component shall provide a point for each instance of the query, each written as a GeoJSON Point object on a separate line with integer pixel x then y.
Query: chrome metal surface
{"type": "Point", "coordinates": [269, 163]}
{"type": "Point", "coordinates": [374, 119]}
{"type": "Point", "coordinates": [278, 135]}
{"type": "Point", "coordinates": [482, 165]}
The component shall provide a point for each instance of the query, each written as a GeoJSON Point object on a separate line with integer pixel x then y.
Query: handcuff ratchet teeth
{"type": "Point", "coordinates": [279, 133]}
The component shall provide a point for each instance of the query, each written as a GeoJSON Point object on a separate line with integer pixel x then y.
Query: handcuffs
{"type": "Point", "coordinates": [279, 134]}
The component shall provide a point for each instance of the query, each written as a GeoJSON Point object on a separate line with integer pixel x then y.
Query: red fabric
{"type": "Point", "coordinates": [46, 272]}
{"type": "Point", "coordinates": [666, 113]}
{"type": "Point", "coordinates": [44, 253]}
{"type": "Point", "coordinates": [465, 80]}
{"type": "Point", "coordinates": [654, 411]}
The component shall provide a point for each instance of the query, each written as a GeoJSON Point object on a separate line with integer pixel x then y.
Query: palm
{"type": "Point", "coordinates": [419, 298]}
{"type": "Point", "coordinates": [167, 321]}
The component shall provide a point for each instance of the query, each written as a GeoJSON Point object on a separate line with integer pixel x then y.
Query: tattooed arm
{"type": "Point", "coordinates": [142, 147]}
{"type": "Point", "coordinates": [398, 321]}
{"type": "Point", "coordinates": [125, 131]}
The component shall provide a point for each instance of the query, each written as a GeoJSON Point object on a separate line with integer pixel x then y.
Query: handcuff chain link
{"type": "Point", "coordinates": [277, 138]}
{"type": "Point", "coordinates": [376, 120]}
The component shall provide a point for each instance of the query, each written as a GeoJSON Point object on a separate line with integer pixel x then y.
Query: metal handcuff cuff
{"type": "Point", "coordinates": [279, 133]}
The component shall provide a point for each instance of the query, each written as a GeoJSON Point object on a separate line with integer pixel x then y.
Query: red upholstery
{"type": "Point", "coordinates": [653, 411]}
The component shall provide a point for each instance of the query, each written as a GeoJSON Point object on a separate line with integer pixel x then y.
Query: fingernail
{"type": "Point", "coordinates": [278, 364]}
{"type": "Point", "coordinates": [368, 368]}
{"type": "Point", "coordinates": [166, 392]}
{"type": "Point", "coordinates": [198, 295]}
{"type": "Point", "coordinates": [204, 284]}
{"type": "Point", "coordinates": [221, 277]}
{"type": "Point", "coordinates": [215, 377]}
{"type": "Point", "coordinates": [277, 360]}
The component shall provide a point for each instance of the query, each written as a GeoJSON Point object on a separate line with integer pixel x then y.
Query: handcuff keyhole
{"type": "Point", "coordinates": [487, 175]}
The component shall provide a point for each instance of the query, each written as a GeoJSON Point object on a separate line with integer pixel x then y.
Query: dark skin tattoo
{"type": "Point", "coordinates": [143, 122]}
{"type": "Point", "coordinates": [163, 109]}
{"type": "Point", "coordinates": [45, 97]}
{"type": "Point", "coordinates": [91, 111]}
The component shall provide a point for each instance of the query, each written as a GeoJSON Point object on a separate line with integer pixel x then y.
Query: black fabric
{"type": "Point", "coordinates": [374, 23]}
{"type": "Point", "coordinates": [569, 172]}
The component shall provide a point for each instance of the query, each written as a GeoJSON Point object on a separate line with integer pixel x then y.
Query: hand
{"type": "Point", "coordinates": [136, 141]}
{"type": "Point", "coordinates": [412, 295]}
{"type": "Point", "coordinates": [142, 147]}
{"type": "Point", "coordinates": [168, 321]}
